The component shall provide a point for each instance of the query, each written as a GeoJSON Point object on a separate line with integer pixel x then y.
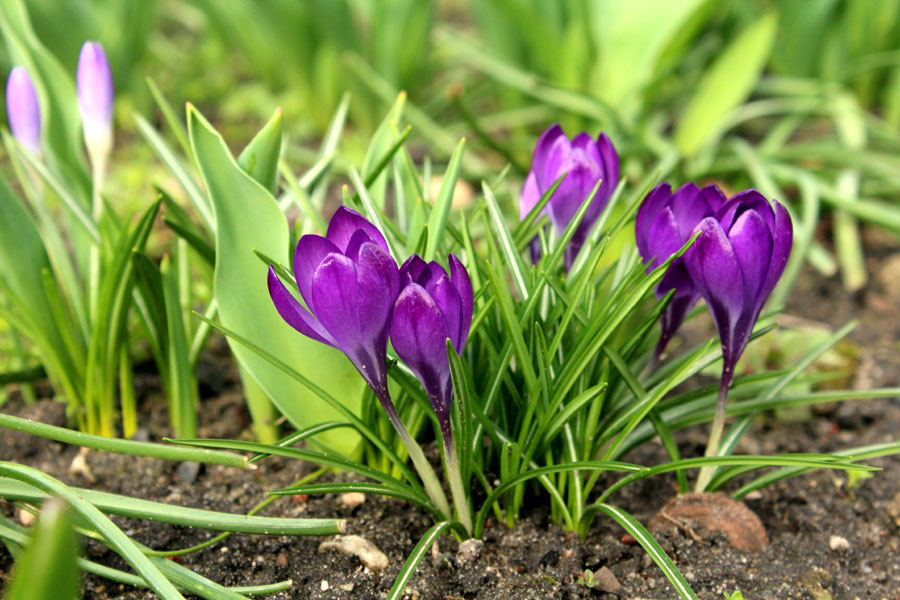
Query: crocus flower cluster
{"type": "Point", "coordinates": [584, 161]}
{"type": "Point", "coordinates": [741, 250]}
{"type": "Point", "coordinates": [356, 296]}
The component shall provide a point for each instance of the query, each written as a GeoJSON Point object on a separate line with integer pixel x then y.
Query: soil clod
{"type": "Point", "coordinates": [692, 513]}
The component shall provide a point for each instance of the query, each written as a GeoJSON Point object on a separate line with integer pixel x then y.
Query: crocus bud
{"type": "Point", "coordinates": [664, 222]}
{"type": "Point", "coordinates": [349, 282]}
{"type": "Point", "coordinates": [23, 109]}
{"type": "Point", "coordinates": [585, 161]}
{"type": "Point", "coordinates": [95, 100]}
{"type": "Point", "coordinates": [432, 308]}
{"type": "Point", "coordinates": [735, 264]}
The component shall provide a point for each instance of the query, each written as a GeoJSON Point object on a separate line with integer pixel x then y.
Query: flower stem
{"type": "Point", "coordinates": [460, 501]}
{"type": "Point", "coordinates": [715, 433]}
{"type": "Point", "coordinates": [423, 467]}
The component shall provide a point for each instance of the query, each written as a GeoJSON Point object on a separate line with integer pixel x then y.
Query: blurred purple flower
{"type": "Point", "coordinates": [349, 281]}
{"type": "Point", "coordinates": [585, 161]}
{"type": "Point", "coordinates": [432, 307]}
{"type": "Point", "coordinates": [23, 109]}
{"type": "Point", "coordinates": [735, 264]}
{"type": "Point", "coordinates": [665, 221]}
{"type": "Point", "coordinates": [95, 98]}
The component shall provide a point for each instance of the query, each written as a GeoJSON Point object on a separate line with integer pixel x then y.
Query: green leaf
{"type": "Point", "coordinates": [726, 84]}
{"type": "Point", "coordinates": [182, 388]}
{"type": "Point", "coordinates": [130, 447]}
{"type": "Point", "coordinates": [418, 553]}
{"type": "Point", "coordinates": [651, 547]}
{"type": "Point", "coordinates": [439, 213]}
{"type": "Point", "coordinates": [260, 158]}
{"type": "Point", "coordinates": [138, 508]}
{"type": "Point", "coordinates": [382, 140]}
{"type": "Point", "coordinates": [248, 218]}
{"type": "Point", "coordinates": [90, 515]}
{"type": "Point", "coordinates": [49, 567]}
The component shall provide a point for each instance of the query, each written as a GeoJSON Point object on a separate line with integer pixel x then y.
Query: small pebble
{"type": "Point", "coordinates": [187, 472]}
{"type": "Point", "coordinates": [837, 542]}
{"type": "Point", "coordinates": [348, 587]}
{"type": "Point", "coordinates": [281, 560]}
{"type": "Point", "coordinates": [606, 581]}
{"type": "Point", "coordinates": [468, 551]}
{"type": "Point", "coordinates": [352, 499]}
{"type": "Point", "coordinates": [25, 518]}
{"type": "Point", "coordinates": [324, 585]}
{"type": "Point", "coordinates": [353, 545]}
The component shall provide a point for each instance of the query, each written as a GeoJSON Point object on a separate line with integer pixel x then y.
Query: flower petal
{"type": "Point", "coordinates": [548, 147]}
{"type": "Point", "coordinates": [418, 334]}
{"type": "Point", "coordinates": [310, 252]}
{"type": "Point", "coordinates": [664, 237]}
{"type": "Point", "coordinates": [752, 244]}
{"type": "Point", "coordinates": [446, 296]}
{"type": "Point", "coordinates": [294, 313]}
{"type": "Point", "coordinates": [345, 223]}
{"type": "Point", "coordinates": [783, 239]}
{"type": "Point", "coordinates": [335, 301]}
{"type": "Point", "coordinates": [378, 282]}
{"type": "Point", "coordinates": [716, 273]}
{"type": "Point", "coordinates": [647, 212]}
{"type": "Point", "coordinates": [747, 200]}
{"type": "Point", "coordinates": [460, 277]}
{"type": "Point", "coordinates": [412, 269]}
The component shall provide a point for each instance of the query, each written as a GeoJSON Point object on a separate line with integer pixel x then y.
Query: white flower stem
{"type": "Point", "coordinates": [715, 435]}
{"type": "Point", "coordinates": [460, 501]}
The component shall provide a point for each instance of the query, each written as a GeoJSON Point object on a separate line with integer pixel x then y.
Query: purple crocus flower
{"type": "Point", "coordinates": [95, 98]}
{"type": "Point", "coordinates": [665, 221]}
{"type": "Point", "coordinates": [349, 281]}
{"type": "Point", "coordinates": [585, 160]}
{"type": "Point", "coordinates": [23, 109]}
{"type": "Point", "coordinates": [432, 307]}
{"type": "Point", "coordinates": [735, 263]}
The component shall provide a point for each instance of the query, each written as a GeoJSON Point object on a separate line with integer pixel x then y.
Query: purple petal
{"type": "Point", "coordinates": [335, 302]}
{"type": "Point", "coordinates": [531, 195]}
{"type": "Point", "coordinates": [358, 238]}
{"type": "Point", "coordinates": [746, 200]}
{"type": "Point", "coordinates": [95, 85]}
{"type": "Point", "coordinates": [783, 235]}
{"type": "Point", "coordinates": [345, 222]}
{"type": "Point", "coordinates": [418, 334]}
{"type": "Point", "coordinates": [447, 298]}
{"type": "Point", "coordinates": [716, 273]}
{"type": "Point", "coordinates": [647, 212]}
{"type": "Point", "coordinates": [664, 238]}
{"type": "Point", "coordinates": [310, 252]}
{"type": "Point", "coordinates": [460, 277]}
{"type": "Point", "coordinates": [379, 283]}
{"type": "Point", "coordinates": [294, 313]}
{"type": "Point", "coordinates": [412, 269]}
{"type": "Point", "coordinates": [713, 197]}
{"type": "Point", "coordinates": [547, 146]}
{"type": "Point", "coordinates": [752, 244]}
{"type": "Point", "coordinates": [23, 109]}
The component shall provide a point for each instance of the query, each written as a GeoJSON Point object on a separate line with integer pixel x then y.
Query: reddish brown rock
{"type": "Point", "coordinates": [694, 513]}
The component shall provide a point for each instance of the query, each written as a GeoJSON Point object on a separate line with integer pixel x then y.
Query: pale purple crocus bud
{"type": "Point", "coordinates": [585, 161]}
{"type": "Point", "coordinates": [95, 100]}
{"type": "Point", "coordinates": [664, 222]}
{"type": "Point", "coordinates": [432, 308]}
{"type": "Point", "coordinates": [23, 109]}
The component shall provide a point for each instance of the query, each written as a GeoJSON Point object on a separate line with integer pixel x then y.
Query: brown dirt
{"type": "Point", "coordinates": [803, 516]}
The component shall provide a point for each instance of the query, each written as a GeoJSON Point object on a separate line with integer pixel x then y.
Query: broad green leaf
{"type": "Point", "coordinates": [726, 84]}
{"type": "Point", "coordinates": [248, 219]}
{"type": "Point", "coordinates": [260, 158]}
{"type": "Point", "coordinates": [49, 567]}
{"type": "Point", "coordinates": [632, 37]}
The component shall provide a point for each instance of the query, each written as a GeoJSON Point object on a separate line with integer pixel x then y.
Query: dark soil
{"type": "Point", "coordinates": [826, 541]}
